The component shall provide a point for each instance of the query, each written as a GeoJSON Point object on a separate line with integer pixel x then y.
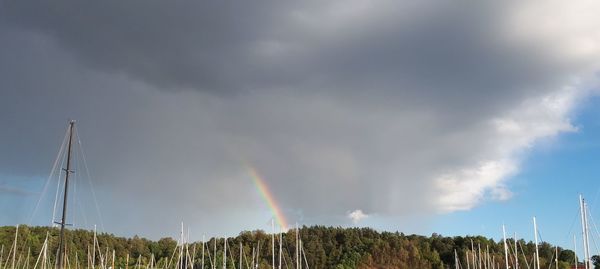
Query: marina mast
{"type": "Point", "coordinates": [68, 171]}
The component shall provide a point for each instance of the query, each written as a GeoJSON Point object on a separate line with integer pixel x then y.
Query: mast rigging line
{"type": "Point", "coordinates": [551, 260]}
{"type": "Point", "coordinates": [289, 255]}
{"type": "Point", "coordinates": [573, 223]}
{"type": "Point", "coordinates": [58, 181]}
{"type": "Point", "coordinates": [47, 183]}
{"type": "Point", "coordinates": [79, 162]}
{"type": "Point", "coordinates": [244, 257]}
{"type": "Point", "coordinates": [209, 256]}
{"type": "Point", "coordinates": [525, 257]}
{"type": "Point", "coordinates": [58, 191]}
{"type": "Point", "coordinates": [75, 198]}
{"type": "Point", "coordinates": [510, 250]}
{"type": "Point", "coordinates": [304, 255]}
{"type": "Point", "coordinates": [230, 254]}
{"type": "Point", "coordinates": [595, 200]}
{"type": "Point", "coordinates": [596, 229]}
{"type": "Point", "coordinates": [87, 170]}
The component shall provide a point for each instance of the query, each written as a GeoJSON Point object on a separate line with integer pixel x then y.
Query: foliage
{"type": "Point", "coordinates": [596, 261]}
{"type": "Point", "coordinates": [324, 247]}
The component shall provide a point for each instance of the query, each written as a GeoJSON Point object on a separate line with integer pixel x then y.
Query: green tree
{"type": "Point", "coordinates": [596, 261]}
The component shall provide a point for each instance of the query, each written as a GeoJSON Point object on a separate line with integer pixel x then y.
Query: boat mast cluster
{"type": "Point", "coordinates": [476, 259]}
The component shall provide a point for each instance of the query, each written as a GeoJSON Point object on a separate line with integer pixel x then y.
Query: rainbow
{"type": "Point", "coordinates": [269, 198]}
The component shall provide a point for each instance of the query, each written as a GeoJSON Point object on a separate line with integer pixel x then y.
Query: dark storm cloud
{"type": "Point", "coordinates": [204, 45]}
{"type": "Point", "coordinates": [425, 52]}
{"type": "Point", "coordinates": [375, 100]}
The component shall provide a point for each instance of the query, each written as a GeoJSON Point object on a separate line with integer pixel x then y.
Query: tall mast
{"type": "Point", "coordinates": [215, 254]}
{"type": "Point", "coordinates": [14, 254]}
{"type": "Point", "coordinates": [505, 246]}
{"type": "Point", "coordinates": [587, 235]}
{"type": "Point", "coordinates": [280, 245]}
{"type": "Point", "coordinates": [584, 232]}
{"type": "Point", "coordinates": [479, 256]}
{"type": "Point", "coordinates": [473, 253]}
{"type": "Point", "coordinates": [537, 254]}
{"type": "Point", "coordinates": [94, 249]}
{"type": "Point", "coordinates": [253, 253]}
{"type": "Point", "coordinates": [273, 241]}
{"type": "Point", "coordinates": [257, 254]}
{"type": "Point", "coordinates": [516, 253]}
{"type": "Point", "coordinates": [45, 257]}
{"type": "Point", "coordinates": [61, 244]}
{"type": "Point", "coordinates": [297, 248]}
{"type": "Point", "coordinates": [1, 254]}
{"type": "Point", "coordinates": [203, 244]}
{"type": "Point", "coordinates": [487, 257]}
{"type": "Point", "coordinates": [456, 260]}
{"type": "Point", "coordinates": [181, 254]}
{"type": "Point", "coordinates": [467, 259]}
{"type": "Point", "coordinates": [300, 252]}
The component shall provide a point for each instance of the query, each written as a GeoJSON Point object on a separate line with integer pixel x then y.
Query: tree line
{"type": "Point", "coordinates": [323, 247]}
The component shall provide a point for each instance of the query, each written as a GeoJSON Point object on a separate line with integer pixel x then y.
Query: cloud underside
{"type": "Point", "coordinates": [392, 107]}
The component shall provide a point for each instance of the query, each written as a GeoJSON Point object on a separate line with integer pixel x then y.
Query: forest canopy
{"type": "Point", "coordinates": [323, 247]}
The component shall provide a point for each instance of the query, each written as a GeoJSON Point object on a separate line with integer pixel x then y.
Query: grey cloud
{"type": "Point", "coordinates": [339, 109]}
{"type": "Point", "coordinates": [408, 50]}
{"type": "Point", "coordinates": [15, 191]}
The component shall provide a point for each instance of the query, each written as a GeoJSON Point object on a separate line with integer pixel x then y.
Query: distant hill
{"type": "Point", "coordinates": [324, 247]}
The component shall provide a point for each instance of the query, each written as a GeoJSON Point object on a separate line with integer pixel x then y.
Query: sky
{"type": "Point", "coordinates": [413, 116]}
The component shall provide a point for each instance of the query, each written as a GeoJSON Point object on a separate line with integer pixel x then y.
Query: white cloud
{"type": "Point", "coordinates": [357, 215]}
{"type": "Point", "coordinates": [518, 130]}
{"type": "Point", "coordinates": [464, 189]}
{"type": "Point", "coordinates": [569, 34]}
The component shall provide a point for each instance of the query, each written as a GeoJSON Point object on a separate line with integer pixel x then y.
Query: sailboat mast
{"type": "Point", "coordinates": [273, 242]}
{"type": "Point", "coordinates": [297, 248]}
{"type": "Point", "coordinates": [479, 256]}
{"type": "Point", "coordinates": [94, 250]}
{"type": "Point", "coordinates": [257, 254]}
{"type": "Point", "coordinates": [181, 248]}
{"type": "Point", "coordinates": [280, 246]}
{"type": "Point", "coordinates": [584, 232]}
{"type": "Point", "coordinates": [473, 252]}
{"type": "Point", "coordinates": [61, 244]}
{"type": "Point", "coordinates": [587, 236]}
{"type": "Point", "coordinates": [505, 246]}
{"type": "Point", "coordinates": [215, 254]}
{"type": "Point", "coordinates": [467, 259]}
{"type": "Point", "coordinates": [1, 254]}
{"type": "Point", "coordinates": [516, 253]}
{"type": "Point", "coordinates": [537, 253]}
{"type": "Point", "coordinates": [253, 253]}
{"type": "Point", "coordinates": [456, 260]}
{"type": "Point", "coordinates": [14, 253]}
